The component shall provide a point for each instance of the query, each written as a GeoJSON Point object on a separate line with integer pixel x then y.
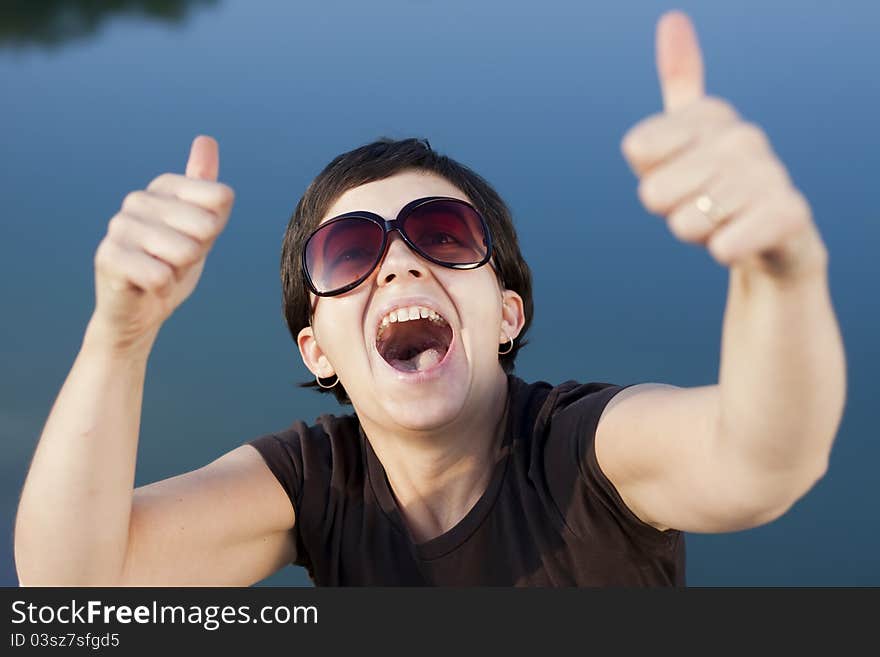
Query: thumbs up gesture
{"type": "Point", "coordinates": [155, 249]}
{"type": "Point", "coordinates": [715, 177]}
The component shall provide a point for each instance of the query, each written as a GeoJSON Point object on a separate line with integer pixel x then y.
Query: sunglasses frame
{"type": "Point", "coordinates": [388, 226]}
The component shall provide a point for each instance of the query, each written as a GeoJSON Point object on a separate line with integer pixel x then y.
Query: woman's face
{"type": "Point", "coordinates": [419, 374]}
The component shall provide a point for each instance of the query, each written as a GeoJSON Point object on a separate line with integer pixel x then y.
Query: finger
{"type": "Point", "coordinates": [732, 192]}
{"type": "Point", "coordinates": [760, 228]}
{"type": "Point", "coordinates": [654, 140]}
{"type": "Point", "coordinates": [157, 239]}
{"type": "Point", "coordinates": [679, 61]}
{"type": "Point", "coordinates": [186, 218]}
{"type": "Point", "coordinates": [125, 265]}
{"type": "Point", "coordinates": [212, 196]}
{"type": "Point", "coordinates": [737, 152]}
{"type": "Point", "coordinates": [690, 224]}
{"type": "Point", "coordinates": [662, 136]}
{"type": "Point", "coordinates": [204, 159]}
{"type": "Point", "coordinates": [667, 186]}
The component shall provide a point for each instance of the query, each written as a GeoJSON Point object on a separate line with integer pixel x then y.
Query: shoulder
{"type": "Point", "coordinates": [327, 434]}
{"type": "Point", "coordinates": [568, 431]}
{"type": "Point", "coordinates": [309, 460]}
{"type": "Point", "coordinates": [559, 417]}
{"type": "Point", "coordinates": [326, 430]}
{"type": "Point", "coordinates": [577, 405]}
{"type": "Point", "coordinates": [331, 442]}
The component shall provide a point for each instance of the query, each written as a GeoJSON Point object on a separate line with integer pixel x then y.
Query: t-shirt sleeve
{"type": "Point", "coordinates": [595, 504]}
{"type": "Point", "coordinates": [282, 453]}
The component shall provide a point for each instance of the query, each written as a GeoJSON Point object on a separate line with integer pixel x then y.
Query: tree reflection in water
{"type": "Point", "coordinates": [52, 23]}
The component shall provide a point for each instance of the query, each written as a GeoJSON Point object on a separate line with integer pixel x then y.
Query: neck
{"type": "Point", "coordinates": [438, 476]}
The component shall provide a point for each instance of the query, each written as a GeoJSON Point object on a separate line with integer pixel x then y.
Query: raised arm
{"type": "Point", "coordinates": [80, 521]}
{"type": "Point", "coordinates": [740, 453]}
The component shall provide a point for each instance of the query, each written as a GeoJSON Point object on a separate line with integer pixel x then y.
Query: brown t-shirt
{"type": "Point", "coordinates": [549, 516]}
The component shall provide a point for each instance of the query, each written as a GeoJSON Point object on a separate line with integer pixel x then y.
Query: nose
{"type": "Point", "coordinates": [400, 262]}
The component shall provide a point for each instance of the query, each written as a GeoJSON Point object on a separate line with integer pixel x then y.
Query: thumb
{"type": "Point", "coordinates": [204, 159]}
{"type": "Point", "coordinates": [679, 61]}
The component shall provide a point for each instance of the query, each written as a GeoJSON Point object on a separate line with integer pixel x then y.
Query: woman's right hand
{"type": "Point", "coordinates": [154, 251]}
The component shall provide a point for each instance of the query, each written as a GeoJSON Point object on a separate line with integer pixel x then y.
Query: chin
{"type": "Point", "coordinates": [426, 410]}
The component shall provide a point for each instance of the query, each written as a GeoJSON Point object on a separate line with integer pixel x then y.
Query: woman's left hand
{"type": "Point", "coordinates": [714, 176]}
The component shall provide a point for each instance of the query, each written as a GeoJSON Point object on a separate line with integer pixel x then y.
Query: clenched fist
{"type": "Point", "coordinates": [714, 177]}
{"type": "Point", "coordinates": [155, 249]}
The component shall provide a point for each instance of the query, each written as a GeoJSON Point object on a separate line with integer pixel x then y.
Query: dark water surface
{"type": "Point", "coordinates": [534, 96]}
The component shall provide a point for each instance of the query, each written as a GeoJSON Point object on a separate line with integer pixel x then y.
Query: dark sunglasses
{"type": "Point", "coordinates": [344, 251]}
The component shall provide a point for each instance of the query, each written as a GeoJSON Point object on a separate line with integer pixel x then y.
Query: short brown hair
{"type": "Point", "coordinates": [375, 161]}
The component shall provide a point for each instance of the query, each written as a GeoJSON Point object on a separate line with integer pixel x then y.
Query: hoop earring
{"type": "Point", "coordinates": [509, 349]}
{"type": "Point", "coordinates": [330, 386]}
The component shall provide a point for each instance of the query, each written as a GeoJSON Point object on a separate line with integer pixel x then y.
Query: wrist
{"type": "Point", "coordinates": [801, 263]}
{"type": "Point", "coordinates": [102, 340]}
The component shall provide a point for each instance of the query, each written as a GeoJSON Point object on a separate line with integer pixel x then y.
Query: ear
{"type": "Point", "coordinates": [312, 355]}
{"type": "Point", "coordinates": [512, 316]}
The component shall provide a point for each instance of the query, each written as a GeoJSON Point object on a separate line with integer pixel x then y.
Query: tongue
{"type": "Point", "coordinates": [421, 361]}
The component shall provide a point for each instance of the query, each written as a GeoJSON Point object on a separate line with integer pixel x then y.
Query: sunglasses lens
{"type": "Point", "coordinates": [341, 252]}
{"type": "Point", "coordinates": [447, 231]}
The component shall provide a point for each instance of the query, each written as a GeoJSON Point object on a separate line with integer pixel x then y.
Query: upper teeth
{"type": "Point", "coordinates": [408, 313]}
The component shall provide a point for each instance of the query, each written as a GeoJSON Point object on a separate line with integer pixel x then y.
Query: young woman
{"type": "Point", "coordinates": [408, 298]}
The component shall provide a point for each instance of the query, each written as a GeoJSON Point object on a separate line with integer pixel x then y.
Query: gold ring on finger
{"type": "Point", "coordinates": [711, 209]}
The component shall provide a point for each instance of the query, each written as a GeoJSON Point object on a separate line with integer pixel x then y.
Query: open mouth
{"type": "Point", "coordinates": [413, 339]}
